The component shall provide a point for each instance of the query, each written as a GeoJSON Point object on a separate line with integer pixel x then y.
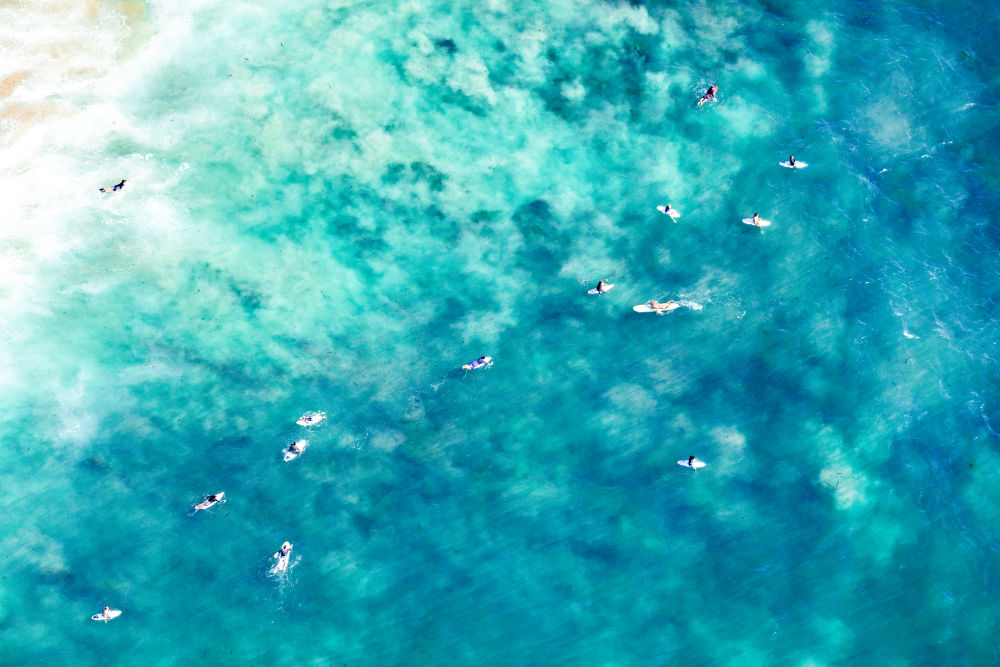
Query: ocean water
{"type": "Point", "coordinates": [333, 205]}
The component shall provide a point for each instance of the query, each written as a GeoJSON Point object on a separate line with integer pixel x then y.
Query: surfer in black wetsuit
{"type": "Point", "coordinates": [791, 160]}
{"type": "Point", "coordinates": [709, 95]}
{"type": "Point", "coordinates": [115, 188]}
{"type": "Point", "coordinates": [601, 289]}
{"type": "Point", "coordinates": [286, 548]}
{"type": "Point", "coordinates": [690, 462]}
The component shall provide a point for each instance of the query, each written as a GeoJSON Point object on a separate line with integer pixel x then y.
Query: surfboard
{"type": "Point", "coordinates": [485, 363]}
{"type": "Point", "coordinates": [311, 418]}
{"type": "Point", "coordinates": [672, 212]}
{"type": "Point", "coordinates": [646, 308]}
{"type": "Point", "coordinates": [206, 504]}
{"type": "Point", "coordinates": [694, 464]}
{"type": "Point", "coordinates": [607, 286]}
{"type": "Point", "coordinates": [762, 222]}
{"type": "Point", "coordinates": [112, 613]}
{"type": "Point", "coordinates": [290, 455]}
{"type": "Point", "coordinates": [797, 165]}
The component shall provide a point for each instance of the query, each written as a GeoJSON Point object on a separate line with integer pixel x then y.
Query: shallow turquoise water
{"type": "Point", "coordinates": [333, 206]}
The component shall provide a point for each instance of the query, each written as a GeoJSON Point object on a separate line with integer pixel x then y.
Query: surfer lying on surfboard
{"type": "Point", "coordinates": [310, 418]}
{"type": "Point", "coordinates": [114, 188]}
{"type": "Point", "coordinates": [709, 95]}
{"type": "Point", "coordinates": [210, 501]}
{"type": "Point", "coordinates": [481, 362]}
{"type": "Point", "coordinates": [656, 305]}
{"type": "Point", "coordinates": [282, 556]}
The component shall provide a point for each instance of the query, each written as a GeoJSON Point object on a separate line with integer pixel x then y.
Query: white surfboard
{"type": "Point", "coordinates": [672, 212]}
{"type": "Point", "coordinates": [693, 464]}
{"type": "Point", "coordinates": [646, 308]}
{"type": "Point", "coordinates": [607, 286]}
{"type": "Point", "coordinates": [797, 165]}
{"type": "Point", "coordinates": [112, 613]}
{"type": "Point", "coordinates": [311, 418]}
{"type": "Point", "coordinates": [291, 455]}
{"type": "Point", "coordinates": [760, 223]}
{"type": "Point", "coordinates": [204, 505]}
{"type": "Point", "coordinates": [484, 362]}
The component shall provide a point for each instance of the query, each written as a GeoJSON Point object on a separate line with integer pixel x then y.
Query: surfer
{"type": "Point", "coordinates": [656, 305]}
{"type": "Point", "coordinates": [479, 363]}
{"type": "Point", "coordinates": [282, 555]}
{"type": "Point", "coordinates": [709, 95]}
{"type": "Point", "coordinates": [601, 289]}
{"type": "Point", "coordinates": [791, 160]}
{"type": "Point", "coordinates": [209, 501]}
{"type": "Point", "coordinates": [756, 219]}
{"type": "Point", "coordinates": [115, 188]}
{"type": "Point", "coordinates": [106, 613]}
{"type": "Point", "coordinates": [691, 461]}
{"type": "Point", "coordinates": [310, 418]}
{"type": "Point", "coordinates": [296, 447]}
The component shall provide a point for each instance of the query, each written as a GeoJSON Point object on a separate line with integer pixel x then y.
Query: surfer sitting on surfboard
{"type": "Point", "coordinates": [601, 289]}
{"type": "Point", "coordinates": [756, 218]}
{"type": "Point", "coordinates": [105, 614]}
{"type": "Point", "coordinates": [709, 95]}
{"type": "Point", "coordinates": [656, 305]}
{"type": "Point", "coordinates": [791, 160]}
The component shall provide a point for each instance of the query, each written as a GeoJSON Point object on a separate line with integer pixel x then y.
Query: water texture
{"type": "Point", "coordinates": [333, 205]}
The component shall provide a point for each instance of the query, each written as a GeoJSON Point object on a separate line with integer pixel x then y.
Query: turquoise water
{"type": "Point", "coordinates": [334, 205]}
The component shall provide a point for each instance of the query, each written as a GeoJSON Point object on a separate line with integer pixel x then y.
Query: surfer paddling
{"type": "Point", "coordinates": [709, 95]}
{"type": "Point", "coordinates": [481, 362]}
{"type": "Point", "coordinates": [114, 188]}
{"type": "Point", "coordinates": [210, 501]}
{"type": "Point", "coordinates": [282, 556]}
{"type": "Point", "coordinates": [656, 305]}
